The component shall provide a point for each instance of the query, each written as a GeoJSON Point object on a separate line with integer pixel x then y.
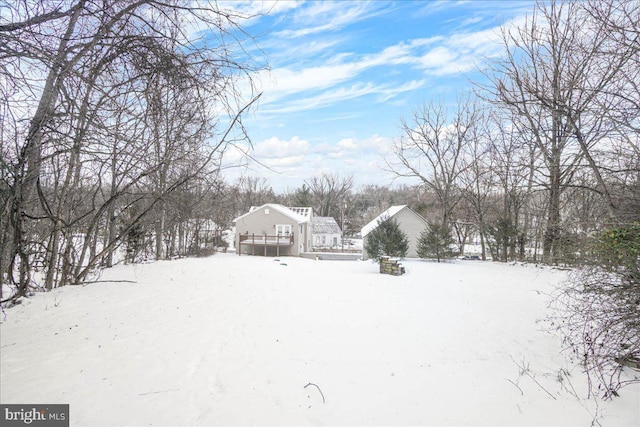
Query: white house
{"type": "Point", "coordinates": [326, 232]}
{"type": "Point", "coordinates": [410, 222]}
{"type": "Point", "coordinates": [274, 230]}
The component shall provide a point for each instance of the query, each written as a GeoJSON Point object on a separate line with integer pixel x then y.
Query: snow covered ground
{"type": "Point", "coordinates": [231, 340]}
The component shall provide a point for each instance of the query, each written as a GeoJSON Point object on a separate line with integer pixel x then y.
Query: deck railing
{"type": "Point", "coordinates": [266, 240]}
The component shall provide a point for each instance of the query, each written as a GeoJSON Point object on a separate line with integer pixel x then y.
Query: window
{"type": "Point", "coordinates": [335, 241]}
{"type": "Point", "coordinates": [283, 229]}
{"type": "Point", "coordinates": [324, 240]}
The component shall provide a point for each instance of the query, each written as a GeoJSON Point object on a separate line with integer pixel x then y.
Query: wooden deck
{"type": "Point", "coordinates": [265, 241]}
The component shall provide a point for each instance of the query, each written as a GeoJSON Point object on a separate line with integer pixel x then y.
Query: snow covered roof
{"type": "Point", "coordinates": [325, 225]}
{"type": "Point", "coordinates": [303, 211]}
{"type": "Point", "coordinates": [389, 213]}
{"type": "Point", "coordinates": [300, 219]}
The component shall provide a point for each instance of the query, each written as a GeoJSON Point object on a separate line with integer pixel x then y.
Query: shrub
{"type": "Point", "coordinates": [598, 311]}
{"type": "Point", "coordinates": [435, 242]}
{"type": "Point", "coordinates": [387, 239]}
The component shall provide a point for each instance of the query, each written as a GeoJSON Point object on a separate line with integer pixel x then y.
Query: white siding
{"type": "Point", "coordinates": [413, 225]}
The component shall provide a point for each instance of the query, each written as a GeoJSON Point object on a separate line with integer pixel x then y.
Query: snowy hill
{"type": "Point", "coordinates": [231, 340]}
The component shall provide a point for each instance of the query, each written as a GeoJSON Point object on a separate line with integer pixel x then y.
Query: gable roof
{"type": "Point", "coordinates": [297, 217]}
{"type": "Point", "coordinates": [389, 213]}
{"type": "Point", "coordinates": [325, 225]}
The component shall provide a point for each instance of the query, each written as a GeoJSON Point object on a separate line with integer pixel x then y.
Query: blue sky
{"type": "Point", "coordinates": [344, 74]}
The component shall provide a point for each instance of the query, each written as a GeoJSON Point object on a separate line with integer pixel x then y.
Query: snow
{"type": "Point", "coordinates": [389, 213]}
{"type": "Point", "coordinates": [234, 340]}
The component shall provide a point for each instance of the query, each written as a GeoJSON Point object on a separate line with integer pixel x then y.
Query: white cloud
{"type": "Point", "coordinates": [319, 77]}
{"type": "Point", "coordinates": [250, 9]}
{"type": "Point", "coordinates": [282, 162]}
{"type": "Point", "coordinates": [341, 94]}
{"type": "Point", "coordinates": [329, 16]}
{"type": "Point", "coordinates": [347, 144]}
{"type": "Point", "coordinates": [275, 148]}
{"type": "Point", "coordinates": [437, 57]}
{"type": "Point", "coordinates": [296, 161]}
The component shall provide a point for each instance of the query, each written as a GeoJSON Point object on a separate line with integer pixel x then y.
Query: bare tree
{"type": "Point", "coordinates": [432, 150]}
{"type": "Point", "coordinates": [618, 102]}
{"type": "Point", "coordinates": [554, 78]}
{"type": "Point", "coordinates": [330, 192]}
{"type": "Point", "coordinates": [477, 180]}
{"type": "Point", "coordinates": [252, 191]}
{"type": "Point", "coordinates": [78, 74]}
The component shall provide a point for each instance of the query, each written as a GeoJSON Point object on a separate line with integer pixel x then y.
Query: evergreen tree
{"type": "Point", "coordinates": [303, 197]}
{"type": "Point", "coordinates": [505, 236]}
{"type": "Point", "coordinates": [435, 242]}
{"type": "Point", "coordinates": [387, 239]}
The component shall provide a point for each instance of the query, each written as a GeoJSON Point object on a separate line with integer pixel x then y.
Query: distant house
{"type": "Point", "coordinates": [274, 230]}
{"type": "Point", "coordinates": [411, 223]}
{"type": "Point", "coordinates": [326, 232]}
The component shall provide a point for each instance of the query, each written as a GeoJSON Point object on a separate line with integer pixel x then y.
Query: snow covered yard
{"type": "Point", "coordinates": [231, 340]}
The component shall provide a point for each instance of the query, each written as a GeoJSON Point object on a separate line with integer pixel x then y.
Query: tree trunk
{"type": "Point", "coordinates": [552, 231]}
{"type": "Point", "coordinates": [30, 156]}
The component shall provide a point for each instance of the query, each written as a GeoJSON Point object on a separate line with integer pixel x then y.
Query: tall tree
{"type": "Point", "coordinates": [553, 78]}
{"type": "Point", "coordinates": [432, 150]}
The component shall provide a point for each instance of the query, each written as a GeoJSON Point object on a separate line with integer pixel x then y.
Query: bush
{"type": "Point", "coordinates": [435, 242]}
{"type": "Point", "coordinates": [619, 249]}
{"type": "Point", "coordinates": [598, 312]}
{"type": "Point", "coordinates": [387, 239]}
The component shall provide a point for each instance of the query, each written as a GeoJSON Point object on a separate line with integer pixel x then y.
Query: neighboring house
{"type": "Point", "coordinates": [411, 223]}
{"type": "Point", "coordinates": [326, 232]}
{"type": "Point", "coordinates": [274, 230]}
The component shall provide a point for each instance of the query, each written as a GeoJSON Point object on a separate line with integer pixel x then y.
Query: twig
{"type": "Point", "coordinates": [524, 370]}
{"type": "Point", "coordinates": [108, 281]}
{"type": "Point", "coordinates": [159, 391]}
{"type": "Point", "coordinates": [564, 373]}
{"type": "Point", "coordinates": [521, 392]}
{"type": "Point", "coordinates": [540, 385]}
{"type": "Point", "coordinates": [316, 386]}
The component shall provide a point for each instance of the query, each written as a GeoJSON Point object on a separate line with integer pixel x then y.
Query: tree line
{"type": "Point", "coordinates": [113, 135]}
{"type": "Point", "coordinates": [115, 116]}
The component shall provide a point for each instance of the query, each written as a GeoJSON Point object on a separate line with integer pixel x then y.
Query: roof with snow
{"type": "Point", "coordinates": [389, 213]}
{"type": "Point", "coordinates": [303, 211]}
{"type": "Point", "coordinates": [297, 217]}
{"type": "Point", "coordinates": [325, 225]}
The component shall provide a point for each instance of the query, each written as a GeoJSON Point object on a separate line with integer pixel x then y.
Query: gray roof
{"type": "Point", "coordinates": [324, 225]}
